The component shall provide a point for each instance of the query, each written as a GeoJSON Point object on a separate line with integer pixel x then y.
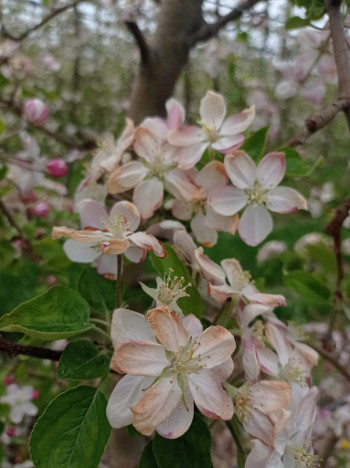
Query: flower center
{"type": "Point", "coordinates": [184, 363]}
{"type": "Point", "coordinates": [158, 167]}
{"type": "Point", "coordinates": [117, 225]}
{"type": "Point", "coordinates": [211, 133]}
{"type": "Point", "coordinates": [292, 372]}
{"type": "Point", "coordinates": [172, 289]}
{"type": "Point", "coordinates": [243, 403]}
{"type": "Point", "coordinates": [256, 194]}
{"type": "Point", "coordinates": [301, 455]}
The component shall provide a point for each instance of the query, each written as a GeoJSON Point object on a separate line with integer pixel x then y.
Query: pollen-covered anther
{"type": "Point", "coordinates": [304, 459]}
{"type": "Point", "coordinates": [243, 404]}
{"type": "Point", "coordinates": [256, 194]}
{"type": "Point", "coordinates": [172, 289]}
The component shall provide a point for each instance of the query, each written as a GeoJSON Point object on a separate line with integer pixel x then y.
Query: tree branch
{"type": "Point", "coordinates": [343, 370]}
{"type": "Point", "coordinates": [13, 349]}
{"type": "Point", "coordinates": [140, 41]}
{"type": "Point", "coordinates": [316, 122]}
{"type": "Point", "coordinates": [208, 31]}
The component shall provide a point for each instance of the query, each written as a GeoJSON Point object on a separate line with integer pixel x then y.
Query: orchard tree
{"type": "Point", "coordinates": [174, 233]}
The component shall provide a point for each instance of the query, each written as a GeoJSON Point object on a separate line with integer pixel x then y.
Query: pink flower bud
{"type": "Point", "coordinates": [18, 244]}
{"type": "Point", "coordinates": [51, 280]}
{"type": "Point", "coordinates": [11, 431]}
{"type": "Point", "coordinates": [35, 111]}
{"type": "Point", "coordinates": [41, 209]}
{"type": "Point", "coordinates": [35, 394]}
{"type": "Point", "coordinates": [8, 380]}
{"type": "Point", "coordinates": [57, 168]}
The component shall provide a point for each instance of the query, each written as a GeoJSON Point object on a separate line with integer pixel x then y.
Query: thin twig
{"type": "Point", "coordinates": [14, 349]}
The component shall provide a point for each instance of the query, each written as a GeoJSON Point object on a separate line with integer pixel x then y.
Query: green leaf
{"type": "Point", "coordinates": [2, 124]}
{"type": "Point", "coordinates": [4, 409]}
{"type": "Point", "coordinates": [3, 171]}
{"type": "Point", "coordinates": [296, 166]}
{"type": "Point", "coordinates": [325, 257]}
{"type": "Point", "coordinates": [82, 360]}
{"type": "Point", "coordinates": [255, 144]}
{"type": "Point", "coordinates": [98, 291]}
{"type": "Point", "coordinates": [192, 450]}
{"type": "Point", "coordinates": [307, 285]}
{"type": "Point", "coordinates": [147, 459]}
{"type": "Point", "coordinates": [72, 432]}
{"type": "Point", "coordinates": [58, 313]}
{"type": "Point", "coordinates": [296, 22]}
{"type": "Point", "coordinates": [189, 305]}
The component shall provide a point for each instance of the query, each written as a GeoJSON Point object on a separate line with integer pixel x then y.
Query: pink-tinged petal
{"type": "Point", "coordinates": [221, 223]}
{"type": "Point", "coordinates": [224, 370]}
{"type": "Point", "coordinates": [107, 265]}
{"type": "Point", "coordinates": [214, 346]}
{"type": "Point", "coordinates": [188, 156]}
{"type": "Point", "coordinates": [212, 109]}
{"type": "Point", "coordinates": [234, 273]}
{"type": "Point", "coordinates": [139, 358]}
{"type": "Point", "coordinates": [148, 242]}
{"type": "Point", "coordinates": [268, 361]}
{"type": "Point", "coordinates": [135, 254]}
{"type": "Point", "coordinates": [180, 419]}
{"type": "Point", "coordinates": [260, 456]}
{"type": "Point", "coordinates": [259, 426]}
{"type": "Point", "coordinates": [176, 114]}
{"type": "Point", "coordinates": [81, 253]}
{"type": "Point", "coordinates": [255, 224]}
{"type": "Point", "coordinates": [238, 123]}
{"type": "Point", "coordinates": [306, 413]}
{"type": "Point", "coordinates": [126, 393]}
{"type": "Point", "coordinates": [227, 144]}
{"type": "Point", "coordinates": [209, 269]}
{"type": "Point", "coordinates": [279, 342]}
{"type": "Point", "coordinates": [251, 311]}
{"type": "Point", "coordinates": [130, 325]}
{"type": "Point", "coordinates": [204, 234]}
{"type": "Point", "coordinates": [168, 328]}
{"type": "Point", "coordinates": [157, 404]}
{"type": "Point", "coordinates": [250, 361]}
{"type": "Point", "coordinates": [285, 200]}
{"type": "Point", "coordinates": [126, 138]}
{"type": "Point", "coordinates": [269, 396]}
{"type": "Point", "coordinates": [187, 136]}
{"type": "Point", "coordinates": [115, 246]}
{"type": "Point", "coordinates": [253, 295]}
{"type": "Point", "coordinates": [179, 185]}
{"type": "Point", "coordinates": [126, 177]}
{"type": "Point", "coordinates": [91, 214]}
{"type": "Point", "coordinates": [182, 210]}
{"type": "Point", "coordinates": [156, 126]}
{"type": "Point", "coordinates": [209, 396]}
{"type": "Point", "coordinates": [148, 197]}
{"type": "Point", "coordinates": [212, 176]}
{"type": "Point", "coordinates": [271, 169]}
{"type": "Point", "coordinates": [309, 354]}
{"type": "Point", "coordinates": [184, 242]}
{"type": "Point", "coordinates": [146, 144]}
{"type": "Point", "coordinates": [227, 201]}
{"type": "Point", "coordinates": [241, 169]}
{"type": "Point", "coordinates": [87, 236]}
{"type": "Point", "coordinates": [192, 325]}
{"type": "Point", "coordinates": [129, 211]}
{"type": "Point", "coordinates": [220, 293]}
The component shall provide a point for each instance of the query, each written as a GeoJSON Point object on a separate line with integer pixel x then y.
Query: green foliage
{"type": "Point", "coordinates": [189, 305]}
{"type": "Point", "coordinates": [59, 313]}
{"type": "Point", "coordinates": [315, 9]}
{"type": "Point", "coordinates": [307, 285]}
{"type": "Point", "coordinates": [255, 144]}
{"type": "Point", "coordinates": [296, 166]}
{"type": "Point", "coordinates": [82, 360]}
{"type": "Point", "coordinates": [3, 169]}
{"type": "Point", "coordinates": [147, 459]}
{"type": "Point", "coordinates": [72, 432]}
{"type": "Point", "coordinates": [98, 291]}
{"type": "Point", "coordinates": [295, 22]}
{"type": "Point", "coordinates": [192, 450]}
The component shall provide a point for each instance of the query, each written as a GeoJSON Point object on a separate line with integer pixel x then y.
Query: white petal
{"type": "Point", "coordinates": [250, 361]}
{"type": "Point", "coordinates": [126, 177]}
{"type": "Point", "coordinates": [179, 185]}
{"type": "Point", "coordinates": [192, 325]}
{"type": "Point", "coordinates": [146, 241]}
{"type": "Point", "coordinates": [227, 144]}
{"type": "Point", "coordinates": [227, 200]}
{"type": "Point", "coordinates": [130, 211]}
{"type": "Point", "coordinates": [204, 234]}
{"type": "Point", "coordinates": [209, 269]}
{"type": "Point", "coordinates": [127, 392]}
{"type": "Point", "coordinates": [78, 252]}
{"type": "Point", "coordinates": [260, 456]}
{"type": "Point", "coordinates": [182, 210]}
{"type": "Point", "coordinates": [255, 224]}
{"type": "Point", "coordinates": [279, 342]}
{"type": "Point", "coordinates": [130, 325]}
{"type": "Point", "coordinates": [221, 223]}
{"type": "Point", "coordinates": [212, 109]}
{"type": "Point", "coordinates": [212, 176]}
{"type": "Point", "coordinates": [107, 264]}
{"type": "Point", "coordinates": [157, 127]}
{"type": "Point", "coordinates": [146, 144]}
{"type": "Point", "coordinates": [148, 197]}
{"type": "Point", "coordinates": [209, 396]}
{"type": "Point", "coordinates": [168, 328]}
{"type": "Point", "coordinates": [135, 254]}
{"type": "Point", "coordinates": [224, 370]}
{"type": "Point", "coordinates": [271, 169]}
{"type": "Point", "coordinates": [91, 214]}
{"type": "Point", "coordinates": [187, 136]}
{"type": "Point", "coordinates": [241, 169]}
{"type": "Point", "coordinates": [176, 114]}
{"type": "Point", "coordinates": [190, 155]}
{"type": "Point", "coordinates": [220, 293]}
{"type": "Point", "coordinates": [285, 200]}
{"type": "Point", "coordinates": [214, 346]}
{"type": "Point", "coordinates": [238, 123]}
{"type": "Point", "coordinates": [180, 419]}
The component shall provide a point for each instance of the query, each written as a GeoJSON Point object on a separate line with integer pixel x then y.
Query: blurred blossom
{"type": "Point", "coordinates": [35, 111]}
{"type": "Point", "coordinates": [8, 380]}
{"type": "Point", "coordinates": [56, 168]}
{"type": "Point", "coordinates": [50, 63]}
{"type": "Point", "coordinates": [271, 249]}
{"type": "Point", "coordinates": [41, 209]}
{"type": "Point", "coordinates": [310, 238]}
{"type": "Point", "coordinates": [19, 398]}
{"type": "Point", "coordinates": [51, 280]}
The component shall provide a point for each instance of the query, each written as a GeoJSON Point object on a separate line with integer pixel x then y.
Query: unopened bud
{"type": "Point", "coordinates": [35, 111]}
{"type": "Point", "coordinates": [41, 209]}
{"type": "Point", "coordinates": [57, 168]}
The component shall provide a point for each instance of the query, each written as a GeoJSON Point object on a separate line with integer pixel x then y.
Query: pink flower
{"type": "Point", "coordinates": [171, 364]}
{"type": "Point", "coordinates": [57, 168]}
{"type": "Point", "coordinates": [35, 111]}
{"type": "Point", "coordinates": [222, 135]}
{"type": "Point", "coordinates": [41, 209]}
{"type": "Point", "coordinates": [104, 236]}
{"type": "Point", "coordinates": [256, 189]}
{"type": "Point", "coordinates": [8, 380]}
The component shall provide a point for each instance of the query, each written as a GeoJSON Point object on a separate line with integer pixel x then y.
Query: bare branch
{"type": "Point", "coordinates": [140, 40]}
{"type": "Point", "coordinates": [210, 30]}
{"type": "Point", "coordinates": [317, 122]}
{"type": "Point", "coordinates": [14, 349]}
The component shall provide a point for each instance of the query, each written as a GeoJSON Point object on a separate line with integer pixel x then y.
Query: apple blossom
{"type": "Point", "coordinates": [256, 189]}
{"type": "Point", "coordinates": [35, 111]}
{"type": "Point", "coordinates": [214, 131]}
{"type": "Point", "coordinates": [20, 400]}
{"type": "Point", "coordinates": [57, 168]}
{"type": "Point", "coordinates": [171, 364]}
{"type": "Point", "coordinates": [41, 209]}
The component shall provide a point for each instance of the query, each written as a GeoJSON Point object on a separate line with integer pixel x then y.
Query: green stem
{"type": "Point", "coordinates": [105, 334]}
{"type": "Point", "coordinates": [101, 322]}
